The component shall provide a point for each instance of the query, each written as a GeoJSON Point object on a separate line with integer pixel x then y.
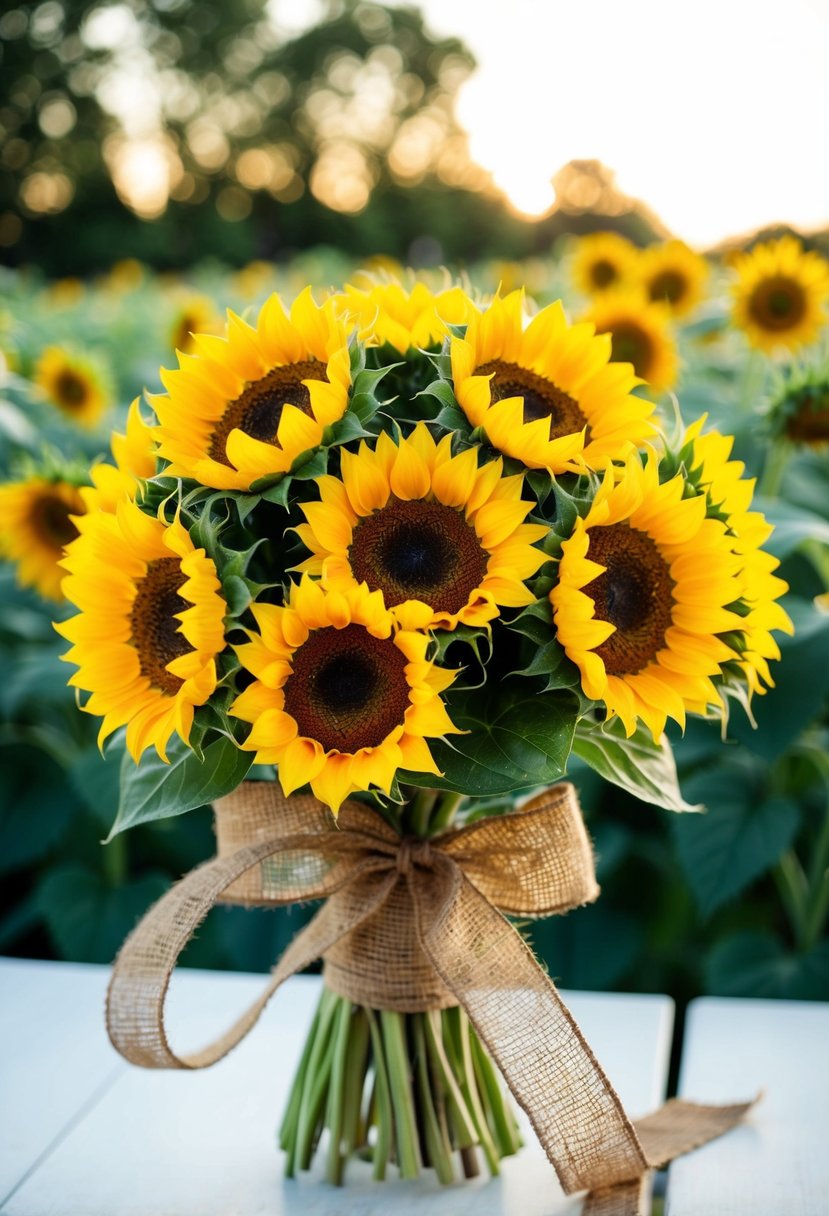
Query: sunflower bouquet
{"type": "Point", "coordinates": [376, 569]}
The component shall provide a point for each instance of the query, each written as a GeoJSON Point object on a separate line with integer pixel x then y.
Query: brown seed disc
{"type": "Point", "coordinates": [777, 304]}
{"type": "Point", "coordinates": [810, 424]}
{"type": "Point", "coordinates": [258, 409]}
{"type": "Point", "coordinates": [670, 285]}
{"type": "Point", "coordinates": [418, 550]}
{"type": "Point", "coordinates": [70, 389]}
{"type": "Point", "coordinates": [542, 398]}
{"type": "Point", "coordinates": [347, 689]}
{"type": "Point", "coordinates": [631, 344]}
{"type": "Point", "coordinates": [603, 273]}
{"type": "Point", "coordinates": [50, 518]}
{"type": "Point", "coordinates": [155, 630]}
{"type": "Point", "coordinates": [635, 594]}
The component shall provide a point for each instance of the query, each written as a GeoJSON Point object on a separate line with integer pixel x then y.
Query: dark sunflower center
{"type": "Point", "coordinates": [603, 273]}
{"type": "Point", "coordinates": [630, 344]}
{"type": "Point", "coordinates": [183, 329]}
{"type": "Point", "coordinates": [635, 594]}
{"type": "Point", "coordinates": [670, 285]}
{"type": "Point", "coordinates": [542, 398]}
{"type": "Point", "coordinates": [258, 409]}
{"type": "Point", "coordinates": [51, 520]}
{"type": "Point", "coordinates": [155, 630]}
{"type": "Point", "coordinates": [418, 550]}
{"type": "Point", "coordinates": [347, 689]}
{"type": "Point", "coordinates": [70, 389]}
{"type": "Point", "coordinates": [810, 424]}
{"type": "Point", "coordinates": [777, 304]}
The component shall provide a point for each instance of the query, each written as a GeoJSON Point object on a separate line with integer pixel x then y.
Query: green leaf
{"type": "Point", "coordinates": [638, 765]}
{"type": "Point", "coordinates": [88, 919]}
{"type": "Point", "coordinates": [740, 837]}
{"type": "Point", "coordinates": [155, 790]}
{"type": "Point", "coordinates": [792, 525]}
{"type": "Point", "coordinates": [517, 740]}
{"type": "Point", "coordinates": [96, 780]}
{"type": "Point", "coordinates": [592, 948]}
{"type": "Point", "coordinates": [801, 684]}
{"type": "Point", "coordinates": [758, 965]}
{"type": "Point", "coordinates": [36, 808]}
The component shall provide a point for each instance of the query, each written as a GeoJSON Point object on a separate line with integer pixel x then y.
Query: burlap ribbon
{"type": "Point", "coordinates": [410, 925]}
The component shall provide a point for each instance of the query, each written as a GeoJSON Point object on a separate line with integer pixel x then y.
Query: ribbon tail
{"type": "Point", "coordinates": [680, 1126]}
{"type": "Point", "coordinates": [530, 1033]}
{"type": "Point", "coordinates": [624, 1199]}
{"type": "Point", "coordinates": [142, 971]}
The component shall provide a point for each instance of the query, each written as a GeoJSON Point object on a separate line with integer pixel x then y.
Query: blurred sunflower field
{"type": "Point", "coordinates": [733, 900]}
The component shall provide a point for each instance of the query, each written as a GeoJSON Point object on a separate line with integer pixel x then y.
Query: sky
{"type": "Point", "coordinates": [715, 113]}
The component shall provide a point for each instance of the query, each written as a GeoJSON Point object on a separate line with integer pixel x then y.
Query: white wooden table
{"type": "Point", "coordinates": [84, 1134]}
{"type": "Point", "coordinates": [777, 1163]}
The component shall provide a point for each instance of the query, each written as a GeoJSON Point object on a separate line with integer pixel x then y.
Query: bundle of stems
{"type": "Point", "coordinates": [410, 1088]}
{"type": "Point", "coordinates": [418, 1090]}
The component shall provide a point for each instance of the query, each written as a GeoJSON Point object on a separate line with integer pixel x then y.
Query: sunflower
{"type": "Point", "coordinates": [643, 587]}
{"type": "Point", "coordinates": [74, 384]}
{"type": "Point", "coordinates": [443, 539]}
{"type": "Point", "coordinates": [150, 626]}
{"type": "Point", "coordinates": [800, 407]}
{"type": "Point", "coordinates": [195, 314]}
{"type": "Point", "coordinates": [248, 404]}
{"type": "Point", "coordinates": [135, 461]}
{"type": "Point", "coordinates": [341, 699]}
{"type": "Point", "coordinates": [672, 274]}
{"type": "Point", "coordinates": [547, 395]}
{"type": "Point", "coordinates": [641, 334]}
{"type": "Point", "coordinates": [387, 312]}
{"type": "Point", "coordinates": [603, 260]}
{"type": "Point", "coordinates": [729, 495]}
{"type": "Point", "coordinates": [37, 519]}
{"type": "Point", "coordinates": [780, 294]}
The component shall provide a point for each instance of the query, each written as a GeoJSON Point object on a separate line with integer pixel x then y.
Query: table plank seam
{"type": "Point", "coordinates": [91, 1102]}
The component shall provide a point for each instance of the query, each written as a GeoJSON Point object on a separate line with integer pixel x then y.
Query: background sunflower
{"type": "Point", "coordinates": [37, 520]}
{"type": "Point", "coordinates": [780, 294]}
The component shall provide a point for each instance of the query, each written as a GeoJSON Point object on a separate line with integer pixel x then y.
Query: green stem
{"type": "Point", "coordinates": [355, 1076]}
{"type": "Point", "coordinates": [420, 812]}
{"type": "Point", "coordinates": [400, 1085]}
{"type": "Point", "coordinates": [459, 1025]}
{"type": "Point", "coordinates": [382, 1097]}
{"type": "Point", "coordinates": [290, 1120]}
{"type": "Point", "coordinates": [336, 1093]}
{"type": "Point", "coordinates": [463, 1124]}
{"type": "Point", "coordinates": [315, 1085]}
{"type": "Point", "coordinates": [115, 860]}
{"type": "Point", "coordinates": [777, 457]}
{"type": "Point", "coordinates": [794, 892]}
{"type": "Point", "coordinates": [445, 812]}
{"type": "Point", "coordinates": [504, 1127]}
{"type": "Point", "coordinates": [438, 1148]}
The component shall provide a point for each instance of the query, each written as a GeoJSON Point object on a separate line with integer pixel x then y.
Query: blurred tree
{"type": "Point", "coordinates": [207, 115]}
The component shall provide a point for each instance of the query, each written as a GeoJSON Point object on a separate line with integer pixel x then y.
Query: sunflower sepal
{"type": "Point", "coordinates": [464, 637]}
{"type": "Point", "coordinates": [635, 763]}
{"type": "Point", "coordinates": [276, 488]}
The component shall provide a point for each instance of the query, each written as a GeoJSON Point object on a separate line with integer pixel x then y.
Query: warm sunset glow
{"type": "Point", "coordinates": [718, 119]}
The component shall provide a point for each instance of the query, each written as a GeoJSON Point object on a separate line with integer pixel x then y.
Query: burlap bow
{"type": "Point", "coordinates": [412, 925]}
